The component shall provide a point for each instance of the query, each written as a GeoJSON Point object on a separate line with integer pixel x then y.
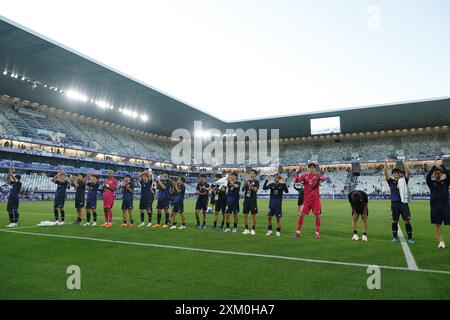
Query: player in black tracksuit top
{"type": "Point", "coordinates": [301, 192]}
{"type": "Point", "coordinates": [439, 205]}
{"type": "Point", "coordinates": [250, 189]}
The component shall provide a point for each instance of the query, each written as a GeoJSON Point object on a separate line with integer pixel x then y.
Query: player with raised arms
{"type": "Point", "coordinates": [163, 185]}
{"type": "Point", "coordinates": [400, 197]}
{"type": "Point", "coordinates": [311, 182]}
{"type": "Point", "coordinates": [277, 188]}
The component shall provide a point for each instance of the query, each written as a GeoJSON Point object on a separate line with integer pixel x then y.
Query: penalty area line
{"type": "Point", "coordinates": [247, 254]}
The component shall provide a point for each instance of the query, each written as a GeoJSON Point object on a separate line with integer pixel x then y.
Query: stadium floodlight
{"type": "Point", "coordinates": [134, 114]}
{"type": "Point", "coordinates": [12, 75]}
{"type": "Point", "coordinates": [102, 104]}
{"type": "Point", "coordinates": [144, 117]}
{"type": "Point", "coordinates": [45, 86]}
{"type": "Point", "coordinates": [5, 73]}
{"type": "Point", "coordinates": [16, 76]}
{"type": "Point", "coordinates": [76, 96]}
{"type": "Point", "coordinates": [23, 78]}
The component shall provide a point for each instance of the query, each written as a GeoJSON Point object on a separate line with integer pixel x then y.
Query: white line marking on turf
{"type": "Point", "coordinates": [410, 261]}
{"type": "Point", "coordinates": [259, 255]}
{"type": "Point", "coordinates": [16, 228]}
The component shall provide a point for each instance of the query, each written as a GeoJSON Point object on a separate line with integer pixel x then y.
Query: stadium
{"type": "Point", "coordinates": [62, 112]}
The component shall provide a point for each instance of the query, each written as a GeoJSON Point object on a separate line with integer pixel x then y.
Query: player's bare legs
{"type": "Point", "coordinates": [124, 218]}
{"type": "Point", "coordinates": [130, 213]}
{"type": "Point", "coordinates": [365, 219]}
{"type": "Point", "coordinates": [438, 231]}
{"type": "Point", "coordinates": [254, 221]}
{"type": "Point", "coordinates": [105, 213]}
{"type": "Point", "coordinates": [158, 218]}
{"type": "Point", "coordinates": [269, 226]}
{"type": "Point", "coordinates": [197, 216]}
{"type": "Point", "coordinates": [227, 221]}
{"type": "Point", "coordinates": [166, 217]}
{"type": "Point", "coordinates": [317, 226]}
{"type": "Point", "coordinates": [355, 218]}
{"type": "Point", "coordinates": [278, 226]}
{"type": "Point", "coordinates": [204, 218]}
{"type": "Point", "coordinates": [299, 224]}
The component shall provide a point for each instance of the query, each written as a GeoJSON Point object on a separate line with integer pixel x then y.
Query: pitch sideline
{"type": "Point", "coordinates": [259, 255]}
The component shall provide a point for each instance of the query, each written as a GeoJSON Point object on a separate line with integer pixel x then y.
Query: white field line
{"type": "Point", "coordinates": [267, 256]}
{"type": "Point", "coordinates": [410, 261]}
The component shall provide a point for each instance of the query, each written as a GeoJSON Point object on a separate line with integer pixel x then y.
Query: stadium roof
{"type": "Point", "coordinates": [25, 53]}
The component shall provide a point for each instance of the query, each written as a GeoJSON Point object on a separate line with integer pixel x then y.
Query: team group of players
{"type": "Point", "coordinates": [224, 195]}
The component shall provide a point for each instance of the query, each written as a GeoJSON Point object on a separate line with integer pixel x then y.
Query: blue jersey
{"type": "Point", "coordinates": [276, 193]}
{"type": "Point", "coordinates": [92, 190]}
{"type": "Point", "coordinates": [127, 194]}
{"type": "Point", "coordinates": [15, 191]}
{"type": "Point", "coordinates": [395, 192]}
{"type": "Point", "coordinates": [179, 196]}
{"type": "Point", "coordinates": [164, 194]}
{"type": "Point", "coordinates": [146, 188]}
{"type": "Point", "coordinates": [233, 193]}
{"type": "Point", "coordinates": [61, 188]}
{"type": "Point", "coordinates": [438, 190]}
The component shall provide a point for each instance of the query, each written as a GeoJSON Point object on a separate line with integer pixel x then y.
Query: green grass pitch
{"type": "Point", "coordinates": [34, 267]}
